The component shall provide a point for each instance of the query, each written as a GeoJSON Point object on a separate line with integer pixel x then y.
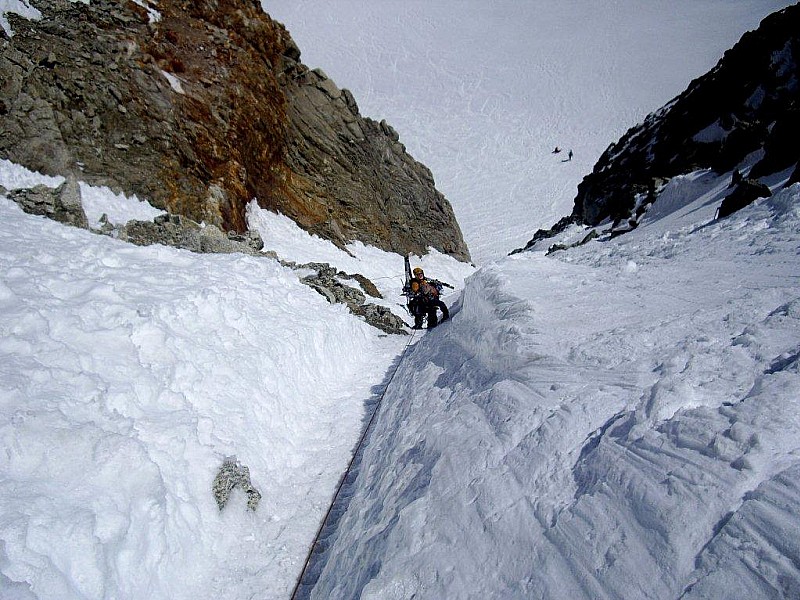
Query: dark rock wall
{"type": "Point", "coordinates": [84, 91]}
{"type": "Point", "coordinates": [748, 102]}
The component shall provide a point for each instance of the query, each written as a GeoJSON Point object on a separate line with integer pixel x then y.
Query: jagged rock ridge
{"type": "Point", "coordinates": [747, 103]}
{"type": "Point", "coordinates": [203, 109]}
{"type": "Point", "coordinates": [64, 204]}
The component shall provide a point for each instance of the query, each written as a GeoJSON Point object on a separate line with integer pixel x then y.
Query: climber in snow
{"type": "Point", "coordinates": [424, 299]}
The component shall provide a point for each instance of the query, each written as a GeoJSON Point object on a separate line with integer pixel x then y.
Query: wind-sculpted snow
{"type": "Point", "coordinates": [618, 422]}
{"type": "Point", "coordinates": [130, 375]}
{"type": "Point", "coordinates": [127, 376]}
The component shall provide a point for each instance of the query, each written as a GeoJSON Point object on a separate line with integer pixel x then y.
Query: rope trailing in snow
{"type": "Point", "coordinates": [347, 472]}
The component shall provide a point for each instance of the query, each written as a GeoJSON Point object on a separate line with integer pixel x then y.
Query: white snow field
{"type": "Point", "coordinates": [616, 421]}
{"type": "Point", "coordinates": [482, 91]}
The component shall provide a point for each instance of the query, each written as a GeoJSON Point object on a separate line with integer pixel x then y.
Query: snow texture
{"type": "Point", "coordinates": [619, 422]}
{"type": "Point", "coordinates": [615, 421]}
{"type": "Point", "coordinates": [129, 374]}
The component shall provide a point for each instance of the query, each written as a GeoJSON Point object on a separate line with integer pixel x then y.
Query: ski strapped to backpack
{"type": "Point", "coordinates": [407, 284]}
{"type": "Point", "coordinates": [416, 301]}
{"type": "Point", "coordinates": [439, 285]}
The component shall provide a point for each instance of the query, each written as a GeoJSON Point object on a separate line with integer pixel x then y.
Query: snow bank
{"type": "Point", "coordinates": [127, 376]}
{"type": "Point", "coordinates": [587, 430]}
{"type": "Point", "coordinates": [118, 208]}
{"type": "Point", "coordinates": [14, 176]}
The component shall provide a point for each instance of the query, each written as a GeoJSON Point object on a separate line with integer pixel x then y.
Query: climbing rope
{"type": "Point", "coordinates": [347, 472]}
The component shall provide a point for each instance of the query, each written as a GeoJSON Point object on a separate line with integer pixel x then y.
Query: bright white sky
{"type": "Point", "coordinates": [617, 421]}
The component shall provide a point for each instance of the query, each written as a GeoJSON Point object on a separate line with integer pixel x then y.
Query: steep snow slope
{"type": "Point", "coordinates": [586, 388]}
{"type": "Point", "coordinates": [128, 375]}
{"type": "Point", "coordinates": [481, 92]}
{"type": "Point", "coordinates": [616, 421]}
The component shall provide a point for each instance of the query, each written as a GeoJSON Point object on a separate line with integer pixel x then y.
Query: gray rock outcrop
{"type": "Point", "coordinates": [328, 282]}
{"type": "Point", "coordinates": [232, 475]}
{"type": "Point", "coordinates": [181, 232]}
{"type": "Point", "coordinates": [746, 192]}
{"type": "Point", "coordinates": [62, 204]}
{"type": "Point", "coordinates": [203, 110]}
{"type": "Point", "coordinates": [347, 163]}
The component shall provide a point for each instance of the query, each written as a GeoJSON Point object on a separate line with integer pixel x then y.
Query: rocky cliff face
{"type": "Point", "coordinates": [748, 103]}
{"type": "Point", "coordinates": [200, 107]}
